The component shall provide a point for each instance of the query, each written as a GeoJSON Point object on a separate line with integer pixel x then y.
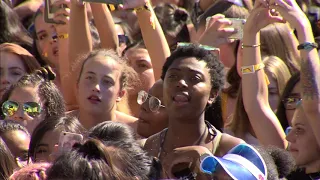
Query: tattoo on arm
{"type": "Point", "coordinates": [309, 80]}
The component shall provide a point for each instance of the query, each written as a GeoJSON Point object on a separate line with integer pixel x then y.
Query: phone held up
{"type": "Point", "coordinates": [50, 9]}
{"type": "Point", "coordinates": [67, 140]}
{"type": "Point", "coordinates": [236, 24]}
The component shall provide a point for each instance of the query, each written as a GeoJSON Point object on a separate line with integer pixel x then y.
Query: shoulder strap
{"type": "Point", "coordinates": [216, 141]}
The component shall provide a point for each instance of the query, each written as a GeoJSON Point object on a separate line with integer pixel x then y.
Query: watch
{"type": "Point", "coordinates": [307, 46]}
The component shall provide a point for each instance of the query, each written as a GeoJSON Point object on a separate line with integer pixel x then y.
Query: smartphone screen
{"type": "Point", "coordinates": [238, 25]}
{"type": "Point", "coordinates": [115, 2]}
{"type": "Point", "coordinates": [67, 140]}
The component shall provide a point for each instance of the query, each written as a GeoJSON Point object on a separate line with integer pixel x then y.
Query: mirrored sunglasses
{"type": "Point", "coordinates": [154, 103]}
{"type": "Point", "coordinates": [9, 108]}
{"type": "Point", "coordinates": [291, 103]}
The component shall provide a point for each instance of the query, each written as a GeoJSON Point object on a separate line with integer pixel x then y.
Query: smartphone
{"type": "Point", "coordinates": [49, 11]}
{"type": "Point", "coordinates": [238, 25]}
{"type": "Point", "coordinates": [115, 2]}
{"type": "Point", "coordinates": [67, 140]}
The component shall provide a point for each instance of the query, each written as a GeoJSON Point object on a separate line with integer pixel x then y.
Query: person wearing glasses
{"type": "Point", "coordinates": [153, 117]}
{"type": "Point", "coordinates": [32, 99]}
{"type": "Point", "coordinates": [289, 101]}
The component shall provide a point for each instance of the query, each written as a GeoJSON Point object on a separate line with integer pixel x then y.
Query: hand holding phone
{"type": "Point", "coordinates": [237, 24]}
{"type": "Point", "coordinates": [67, 140]}
{"type": "Point", "coordinates": [55, 8]}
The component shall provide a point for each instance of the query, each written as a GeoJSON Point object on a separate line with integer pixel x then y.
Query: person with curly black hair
{"type": "Point", "coordinates": [192, 79]}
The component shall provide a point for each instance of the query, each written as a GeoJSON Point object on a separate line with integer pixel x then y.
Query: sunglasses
{"type": "Point", "coordinates": [123, 39]}
{"type": "Point", "coordinates": [9, 108]}
{"type": "Point", "coordinates": [154, 103]}
{"type": "Point", "coordinates": [291, 103]}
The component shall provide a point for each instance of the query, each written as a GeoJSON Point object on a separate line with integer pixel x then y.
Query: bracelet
{"type": "Point", "coordinates": [112, 7]}
{"type": "Point", "coordinates": [63, 36]}
{"type": "Point", "coordinates": [146, 7]}
{"type": "Point", "coordinates": [250, 46]}
{"type": "Point", "coordinates": [142, 8]}
{"type": "Point", "coordinates": [251, 69]}
{"type": "Point", "coordinates": [308, 46]}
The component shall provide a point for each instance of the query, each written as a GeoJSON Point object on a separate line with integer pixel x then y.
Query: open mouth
{"type": "Point", "coordinates": [94, 99]}
{"type": "Point", "coordinates": [55, 51]}
{"type": "Point", "coordinates": [181, 98]}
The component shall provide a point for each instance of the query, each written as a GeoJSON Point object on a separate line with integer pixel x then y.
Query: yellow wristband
{"type": "Point", "coordinates": [63, 36]}
{"type": "Point", "coordinates": [251, 69]}
{"type": "Point", "coordinates": [142, 8]}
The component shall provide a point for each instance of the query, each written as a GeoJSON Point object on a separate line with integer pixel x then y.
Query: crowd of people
{"type": "Point", "coordinates": [160, 89]}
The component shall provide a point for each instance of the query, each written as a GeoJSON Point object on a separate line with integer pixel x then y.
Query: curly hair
{"type": "Point", "coordinates": [9, 125]}
{"type": "Point", "coordinates": [50, 96]}
{"type": "Point", "coordinates": [214, 65]}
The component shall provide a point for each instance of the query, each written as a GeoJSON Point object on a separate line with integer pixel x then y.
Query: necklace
{"type": "Point", "coordinates": [210, 128]}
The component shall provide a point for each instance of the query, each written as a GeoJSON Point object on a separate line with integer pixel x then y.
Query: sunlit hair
{"type": "Point", "coordinates": [50, 96]}
{"type": "Point", "coordinates": [10, 125]}
{"type": "Point", "coordinates": [279, 40]}
{"type": "Point", "coordinates": [29, 62]}
{"type": "Point", "coordinates": [7, 162]}
{"type": "Point", "coordinates": [240, 124]}
{"type": "Point", "coordinates": [279, 71]}
{"type": "Point", "coordinates": [35, 171]}
{"type": "Point", "coordinates": [97, 160]}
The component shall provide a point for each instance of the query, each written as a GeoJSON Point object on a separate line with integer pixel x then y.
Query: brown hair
{"type": "Point", "coordinates": [29, 62]}
{"type": "Point", "coordinates": [240, 123]}
{"type": "Point", "coordinates": [279, 40]}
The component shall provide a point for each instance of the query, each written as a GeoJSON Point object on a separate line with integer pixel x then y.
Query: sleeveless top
{"type": "Point", "coordinates": [215, 142]}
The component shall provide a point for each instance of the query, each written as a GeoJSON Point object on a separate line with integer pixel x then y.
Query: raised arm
{"type": "Point", "coordinates": [105, 26]}
{"type": "Point", "coordinates": [152, 34]}
{"type": "Point", "coordinates": [264, 122]}
{"type": "Point", "coordinates": [79, 43]}
{"type": "Point", "coordinates": [310, 63]}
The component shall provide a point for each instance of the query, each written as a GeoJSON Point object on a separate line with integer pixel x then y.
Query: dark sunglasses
{"type": "Point", "coordinates": [123, 39]}
{"type": "Point", "coordinates": [154, 103]}
{"type": "Point", "coordinates": [9, 108]}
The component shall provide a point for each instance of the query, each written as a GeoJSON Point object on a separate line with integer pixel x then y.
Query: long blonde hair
{"type": "Point", "coordinates": [240, 123]}
{"type": "Point", "coordinates": [279, 40]}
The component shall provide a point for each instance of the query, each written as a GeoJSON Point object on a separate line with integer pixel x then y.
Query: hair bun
{"type": "Point", "coordinates": [46, 73]}
{"type": "Point", "coordinates": [180, 15]}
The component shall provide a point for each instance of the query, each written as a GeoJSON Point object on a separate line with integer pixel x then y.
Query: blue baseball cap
{"type": "Point", "coordinates": [241, 162]}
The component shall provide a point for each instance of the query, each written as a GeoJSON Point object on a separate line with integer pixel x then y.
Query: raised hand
{"type": "Point", "coordinates": [261, 16]}
{"type": "Point", "coordinates": [216, 33]}
{"type": "Point", "coordinates": [291, 12]}
{"type": "Point", "coordinates": [61, 16]}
